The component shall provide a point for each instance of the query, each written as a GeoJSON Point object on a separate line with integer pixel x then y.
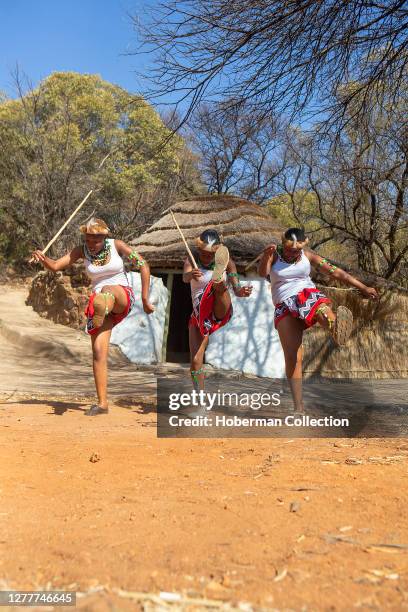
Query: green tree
{"type": "Point", "coordinates": [52, 141]}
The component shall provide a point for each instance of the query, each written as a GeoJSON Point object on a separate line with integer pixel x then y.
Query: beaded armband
{"type": "Point", "coordinates": [332, 267]}
{"type": "Point", "coordinates": [135, 259]}
{"type": "Point", "coordinates": [232, 275]}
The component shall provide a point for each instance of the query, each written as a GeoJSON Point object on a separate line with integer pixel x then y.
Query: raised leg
{"type": "Point", "coordinates": [222, 300]}
{"type": "Point", "coordinates": [112, 298]}
{"type": "Point", "coordinates": [325, 316]}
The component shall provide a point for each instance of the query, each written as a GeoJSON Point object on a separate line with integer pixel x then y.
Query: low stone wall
{"type": "Point", "coordinates": [61, 297]}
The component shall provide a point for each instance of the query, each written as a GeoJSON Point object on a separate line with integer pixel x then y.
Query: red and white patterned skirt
{"type": "Point", "coordinates": [302, 306]}
{"type": "Point", "coordinates": [203, 315]}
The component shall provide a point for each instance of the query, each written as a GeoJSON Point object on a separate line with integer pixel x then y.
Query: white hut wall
{"type": "Point", "coordinates": [249, 342]}
{"type": "Point", "coordinates": [140, 336]}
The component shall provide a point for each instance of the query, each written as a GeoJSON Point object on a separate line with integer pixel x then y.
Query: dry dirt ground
{"type": "Point", "coordinates": [103, 507]}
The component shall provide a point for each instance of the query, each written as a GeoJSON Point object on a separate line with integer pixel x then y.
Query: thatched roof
{"type": "Point", "coordinates": [246, 229]}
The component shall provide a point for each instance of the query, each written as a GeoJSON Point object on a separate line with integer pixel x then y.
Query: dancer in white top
{"type": "Point", "coordinates": [112, 297]}
{"type": "Point", "coordinates": [212, 307]}
{"type": "Point", "coordinates": [299, 304]}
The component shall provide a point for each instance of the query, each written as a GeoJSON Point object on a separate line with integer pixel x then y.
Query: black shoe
{"type": "Point", "coordinates": [95, 409]}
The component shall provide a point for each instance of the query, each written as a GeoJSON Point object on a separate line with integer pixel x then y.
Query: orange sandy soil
{"type": "Point", "coordinates": [281, 524]}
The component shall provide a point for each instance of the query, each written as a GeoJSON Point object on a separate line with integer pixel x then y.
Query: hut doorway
{"type": "Point", "coordinates": [177, 346]}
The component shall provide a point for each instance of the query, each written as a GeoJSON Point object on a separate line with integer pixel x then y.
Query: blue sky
{"type": "Point", "coordinates": [88, 36]}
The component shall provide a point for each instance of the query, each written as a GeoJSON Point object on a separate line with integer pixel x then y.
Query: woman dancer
{"type": "Point", "coordinates": [212, 307]}
{"type": "Point", "coordinates": [299, 304]}
{"type": "Point", "coordinates": [112, 297]}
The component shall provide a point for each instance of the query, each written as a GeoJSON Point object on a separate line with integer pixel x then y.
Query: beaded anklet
{"type": "Point", "coordinates": [107, 294]}
{"type": "Point", "coordinates": [323, 311]}
{"type": "Point", "coordinates": [196, 373]}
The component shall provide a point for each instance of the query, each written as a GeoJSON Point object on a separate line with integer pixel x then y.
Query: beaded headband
{"type": "Point", "coordinates": [95, 226]}
{"type": "Point", "coordinates": [293, 243]}
{"type": "Point", "coordinates": [207, 246]}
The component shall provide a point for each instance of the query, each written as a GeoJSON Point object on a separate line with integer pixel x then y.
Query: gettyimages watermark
{"type": "Point", "coordinates": [209, 400]}
{"type": "Point", "coordinates": [243, 407]}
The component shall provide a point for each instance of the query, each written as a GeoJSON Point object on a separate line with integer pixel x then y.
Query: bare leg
{"type": "Point", "coordinates": [222, 301]}
{"type": "Point", "coordinates": [198, 345]}
{"type": "Point", "coordinates": [100, 350]}
{"type": "Point", "coordinates": [325, 316]}
{"type": "Point", "coordinates": [291, 333]}
{"type": "Point", "coordinates": [112, 298]}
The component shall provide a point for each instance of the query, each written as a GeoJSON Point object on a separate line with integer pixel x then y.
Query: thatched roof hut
{"type": "Point", "coordinates": [245, 228]}
{"type": "Point", "coordinates": [249, 343]}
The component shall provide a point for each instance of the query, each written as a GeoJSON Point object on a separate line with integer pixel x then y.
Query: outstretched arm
{"type": "Point", "coordinates": [321, 264]}
{"type": "Point", "coordinates": [141, 265]}
{"type": "Point", "coordinates": [55, 265]}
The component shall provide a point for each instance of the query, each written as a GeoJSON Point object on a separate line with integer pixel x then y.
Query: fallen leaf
{"type": "Point", "coordinates": [387, 548]}
{"type": "Point", "coordinates": [353, 461]}
{"type": "Point", "coordinates": [346, 528]}
{"type": "Point", "coordinates": [166, 596]}
{"type": "Point", "coordinates": [333, 538]}
{"type": "Point", "coordinates": [281, 575]}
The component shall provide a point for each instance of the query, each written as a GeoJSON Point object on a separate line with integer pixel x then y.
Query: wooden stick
{"type": "Point", "coordinates": [251, 263]}
{"type": "Point", "coordinates": [78, 208]}
{"type": "Point", "coordinates": [51, 242]}
{"type": "Point", "coordinates": [193, 261]}
{"type": "Point", "coordinates": [104, 159]}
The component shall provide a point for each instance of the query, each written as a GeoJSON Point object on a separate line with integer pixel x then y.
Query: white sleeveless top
{"type": "Point", "coordinates": [113, 273]}
{"type": "Point", "coordinates": [198, 285]}
{"type": "Point", "coordinates": [288, 279]}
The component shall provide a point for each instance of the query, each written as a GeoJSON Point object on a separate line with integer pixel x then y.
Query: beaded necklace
{"type": "Point", "coordinates": [209, 267]}
{"type": "Point", "coordinates": [101, 258]}
{"type": "Point", "coordinates": [280, 253]}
